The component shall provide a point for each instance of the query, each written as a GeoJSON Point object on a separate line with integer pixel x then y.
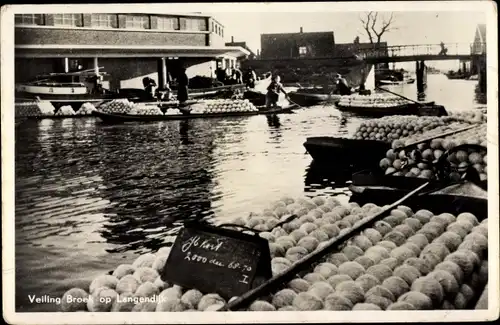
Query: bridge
{"type": "Point", "coordinates": [425, 52]}
{"type": "Point", "coordinates": [422, 52]}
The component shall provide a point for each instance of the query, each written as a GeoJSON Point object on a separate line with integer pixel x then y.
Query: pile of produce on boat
{"type": "Point", "coordinates": [65, 110]}
{"type": "Point", "coordinates": [417, 162]}
{"type": "Point", "coordinates": [86, 109]}
{"type": "Point", "coordinates": [408, 260]}
{"type": "Point", "coordinates": [122, 106]}
{"type": "Point", "coordinates": [34, 109]}
{"type": "Point", "coordinates": [173, 111]}
{"type": "Point", "coordinates": [139, 109]}
{"type": "Point", "coordinates": [218, 106]}
{"type": "Point", "coordinates": [376, 100]}
{"type": "Point", "coordinates": [390, 128]}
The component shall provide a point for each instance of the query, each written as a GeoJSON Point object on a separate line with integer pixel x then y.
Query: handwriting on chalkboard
{"type": "Point", "coordinates": [212, 245]}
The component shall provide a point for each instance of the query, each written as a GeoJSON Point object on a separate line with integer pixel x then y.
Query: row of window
{"type": "Point", "coordinates": [131, 21]}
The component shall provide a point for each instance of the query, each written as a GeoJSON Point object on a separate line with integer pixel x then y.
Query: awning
{"type": "Point", "coordinates": [81, 51]}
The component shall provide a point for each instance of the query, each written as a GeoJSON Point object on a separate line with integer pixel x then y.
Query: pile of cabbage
{"type": "Point", "coordinates": [419, 161]}
{"type": "Point", "coordinates": [218, 106]}
{"type": "Point", "coordinates": [34, 109]}
{"type": "Point", "coordinates": [390, 128]}
{"type": "Point", "coordinates": [375, 100]}
{"type": "Point", "coordinates": [406, 261]}
{"type": "Point", "coordinates": [65, 111]}
{"type": "Point", "coordinates": [139, 109]}
{"type": "Point", "coordinates": [123, 106]}
{"type": "Point", "coordinates": [86, 109]}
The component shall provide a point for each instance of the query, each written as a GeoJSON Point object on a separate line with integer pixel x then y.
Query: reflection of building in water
{"type": "Point", "coordinates": [154, 177]}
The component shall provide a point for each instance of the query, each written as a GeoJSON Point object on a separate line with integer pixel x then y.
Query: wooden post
{"type": "Point", "coordinates": [421, 76]}
{"type": "Point", "coordinates": [96, 65]}
{"type": "Point", "coordinates": [162, 72]}
{"type": "Point", "coordinates": [66, 65]}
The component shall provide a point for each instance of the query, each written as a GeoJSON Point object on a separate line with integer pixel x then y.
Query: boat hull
{"type": "Point", "coordinates": [373, 187]}
{"type": "Point", "coordinates": [428, 109]}
{"type": "Point", "coordinates": [120, 118]}
{"type": "Point", "coordinates": [388, 82]}
{"type": "Point", "coordinates": [346, 152]}
{"type": "Point", "coordinates": [311, 99]}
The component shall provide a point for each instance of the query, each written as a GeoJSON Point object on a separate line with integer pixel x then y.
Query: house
{"type": "Point", "coordinates": [242, 45]}
{"type": "Point", "coordinates": [479, 45]}
{"type": "Point", "coordinates": [128, 46]}
{"type": "Point", "coordinates": [297, 45]}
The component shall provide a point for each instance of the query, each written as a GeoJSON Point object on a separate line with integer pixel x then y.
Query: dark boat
{"type": "Point", "coordinates": [368, 186]}
{"type": "Point", "coordinates": [120, 117]}
{"type": "Point", "coordinates": [346, 152]}
{"type": "Point", "coordinates": [255, 97]}
{"type": "Point", "coordinates": [424, 109]}
{"type": "Point", "coordinates": [313, 96]}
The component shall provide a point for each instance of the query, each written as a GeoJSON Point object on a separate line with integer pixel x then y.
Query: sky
{"type": "Point", "coordinates": [424, 27]}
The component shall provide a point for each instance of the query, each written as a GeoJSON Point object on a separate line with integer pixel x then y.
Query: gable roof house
{"type": "Point", "coordinates": [297, 45]}
{"type": "Point", "coordinates": [479, 45]}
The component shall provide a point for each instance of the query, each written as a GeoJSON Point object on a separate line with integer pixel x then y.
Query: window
{"type": "Point", "coordinates": [213, 27]}
{"type": "Point", "coordinates": [168, 23]}
{"type": "Point", "coordinates": [137, 22]}
{"type": "Point", "coordinates": [104, 20]}
{"type": "Point", "coordinates": [195, 24]}
{"type": "Point", "coordinates": [302, 50]}
{"type": "Point", "coordinates": [73, 20]}
{"type": "Point", "coordinates": [29, 19]}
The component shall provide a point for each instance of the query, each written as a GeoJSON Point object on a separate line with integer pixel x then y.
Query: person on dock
{"type": "Point", "coordinates": [273, 92]}
{"type": "Point", "coordinates": [237, 76]}
{"type": "Point", "coordinates": [342, 85]}
{"type": "Point", "coordinates": [182, 91]}
{"type": "Point", "coordinates": [250, 78]}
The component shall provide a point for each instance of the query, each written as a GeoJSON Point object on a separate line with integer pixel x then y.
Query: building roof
{"type": "Point", "coordinates": [241, 44]}
{"type": "Point", "coordinates": [51, 50]}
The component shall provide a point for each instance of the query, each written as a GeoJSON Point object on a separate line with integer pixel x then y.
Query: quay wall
{"type": "Point", "coordinates": [312, 71]}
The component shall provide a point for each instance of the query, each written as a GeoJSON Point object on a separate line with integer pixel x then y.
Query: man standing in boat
{"type": "Point", "coordinates": [250, 78]}
{"type": "Point", "coordinates": [273, 92]}
{"type": "Point", "coordinates": [183, 83]}
{"type": "Point", "coordinates": [342, 85]}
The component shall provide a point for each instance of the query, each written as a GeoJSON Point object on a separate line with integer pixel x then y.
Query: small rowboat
{"type": "Point", "coordinates": [399, 82]}
{"type": "Point", "coordinates": [424, 109]}
{"type": "Point", "coordinates": [346, 152]}
{"type": "Point", "coordinates": [121, 117]}
{"type": "Point", "coordinates": [306, 97]}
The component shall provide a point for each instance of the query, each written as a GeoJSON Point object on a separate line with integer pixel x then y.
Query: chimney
{"type": "Point", "coordinates": [232, 39]}
{"type": "Point", "coordinates": [301, 30]}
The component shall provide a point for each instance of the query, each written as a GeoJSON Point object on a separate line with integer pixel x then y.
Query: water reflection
{"type": "Point", "coordinates": [273, 121]}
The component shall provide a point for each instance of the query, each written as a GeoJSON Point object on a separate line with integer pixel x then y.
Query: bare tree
{"type": "Point", "coordinates": [376, 26]}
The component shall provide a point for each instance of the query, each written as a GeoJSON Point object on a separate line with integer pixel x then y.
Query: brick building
{"type": "Point", "coordinates": [128, 46]}
{"type": "Point", "coordinates": [297, 45]}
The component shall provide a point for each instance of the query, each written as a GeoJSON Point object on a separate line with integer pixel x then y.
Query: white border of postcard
{"type": "Point", "coordinates": [8, 245]}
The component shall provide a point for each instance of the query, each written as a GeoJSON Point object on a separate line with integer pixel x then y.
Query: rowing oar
{"type": "Point", "coordinates": [411, 100]}
{"type": "Point", "coordinates": [437, 136]}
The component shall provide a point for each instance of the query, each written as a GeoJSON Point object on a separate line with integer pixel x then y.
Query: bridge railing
{"type": "Point", "coordinates": [423, 49]}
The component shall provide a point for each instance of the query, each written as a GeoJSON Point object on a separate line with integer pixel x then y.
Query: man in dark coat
{"type": "Point", "coordinates": [183, 83]}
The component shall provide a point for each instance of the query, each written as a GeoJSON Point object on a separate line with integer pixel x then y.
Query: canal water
{"type": "Point", "coordinates": [91, 196]}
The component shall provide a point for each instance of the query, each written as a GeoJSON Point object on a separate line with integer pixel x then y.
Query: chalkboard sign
{"type": "Point", "coordinates": [218, 260]}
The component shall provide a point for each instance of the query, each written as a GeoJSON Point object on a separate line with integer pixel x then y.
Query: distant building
{"type": "Point", "coordinates": [297, 45]}
{"type": "Point", "coordinates": [128, 46]}
{"type": "Point", "coordinates": [347, 50]}
{"type": "Point", "coordinates": [252, 55]}
{"type": "Point", "coordinates": [479, 45]}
